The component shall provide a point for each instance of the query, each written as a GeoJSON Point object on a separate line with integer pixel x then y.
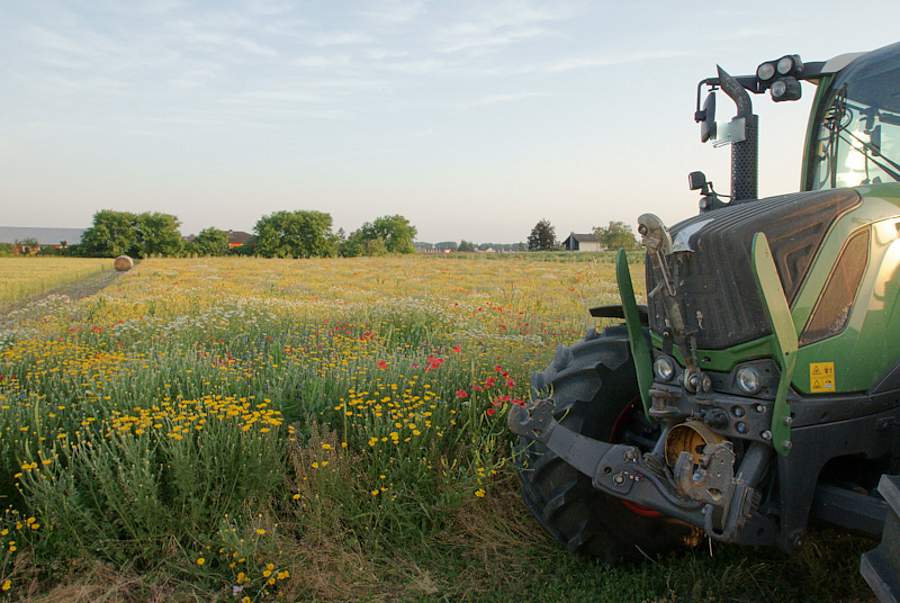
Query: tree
{"type": "Point", "coordinates": [375, 247]}
{"type": "Point", "coordinates": [138, 235]}
{"type": "Point", "coordinates": [111, 234]}
{"type": "Point", "coordinates": [295, 234]}
{"type": "Point", "coordinates": [353, 246]}
{"type": "Point", "coordinates": [617, 235]}
{"type": "Point", "coordinates": [542, 237]}
{"type": "Point", "coordinates": [158, 234]}
{"type": "Point", "coordinates": [466, 246]}
{"type": "Point", "coordinates": [210, 241]}
{"type": "Point", "coordinates": [387, 234]}
{"type": "Point", "coordinates": [395, 231]}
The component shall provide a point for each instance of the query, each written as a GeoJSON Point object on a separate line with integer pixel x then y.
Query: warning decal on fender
{"type": "Point", "coordinates": [821, 377]}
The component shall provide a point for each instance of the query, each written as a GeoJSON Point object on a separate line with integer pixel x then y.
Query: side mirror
{"type": "Point", "coordinates": [707, 118]}
{"type": "Point", "coordinates": [696, 181]}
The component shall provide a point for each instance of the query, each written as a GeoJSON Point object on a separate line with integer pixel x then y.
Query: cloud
{"type": "Point", "coordinates": [494, 39]}
{"type": "Point", "coordinates": [221, 39]}
{"type": "Point", "coordinates": [327, 61]}
{"type": "Point", "coordinates": [604, 60]}
{"type": "Point", "coordinates": [380, 54]}
{"type": "Point", "coordinates": [424, 66]}
{"type": "Point", "coordinates": [277, 96]}
{"type": "Point", "coordinates": [393, 12]}
{"type": "Point", "coordinates": [494, 25]}
{"type": "Point", "coordinates": [341, 38]}
{"type": "Point", "coordinates": [494, 99]}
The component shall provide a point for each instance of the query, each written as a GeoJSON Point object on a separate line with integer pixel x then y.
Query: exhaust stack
{"type": "Point", "coordinates": [745, 153]}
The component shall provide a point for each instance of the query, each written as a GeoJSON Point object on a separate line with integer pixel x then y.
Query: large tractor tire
{"type": "Point", "coordinates": [594, 388]}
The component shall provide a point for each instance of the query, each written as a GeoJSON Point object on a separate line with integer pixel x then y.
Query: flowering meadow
{"type": "Point", "coordinates": [241, 429]}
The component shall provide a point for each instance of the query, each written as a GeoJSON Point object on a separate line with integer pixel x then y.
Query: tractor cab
{"type": "Point", "coordinates": [854, 129]}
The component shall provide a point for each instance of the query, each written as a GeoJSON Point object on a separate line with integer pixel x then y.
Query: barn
{"type": "Point", "coordinates": [582, 242]}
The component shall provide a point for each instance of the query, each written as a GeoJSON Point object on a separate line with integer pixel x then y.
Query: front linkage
{"type": "Point", "coordinates": [722, 504]}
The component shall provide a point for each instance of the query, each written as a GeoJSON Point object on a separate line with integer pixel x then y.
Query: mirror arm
{"type": "Point", "coordinates": [712, 82]}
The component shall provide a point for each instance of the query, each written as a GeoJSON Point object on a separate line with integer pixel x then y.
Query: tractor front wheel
{"type": "Point", "coordinates": [594, 390]}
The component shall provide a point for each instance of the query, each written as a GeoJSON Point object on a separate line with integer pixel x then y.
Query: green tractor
{"type": "Point", "coordinates": [759, 388]}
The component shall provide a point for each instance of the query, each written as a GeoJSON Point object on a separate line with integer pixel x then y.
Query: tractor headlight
{"type": "Point", "coordinates": [789, 64]}
{"type": "Point", "coordinates": [785, 65]}
{"type": "Point", "coordinates": [766, 71]}
{"type": "Point", "coordinates": [785, 89]}
{"type": "Point", "coordinates": [664, 368]}
{"type": "Point", "coordinates": [748, 379]}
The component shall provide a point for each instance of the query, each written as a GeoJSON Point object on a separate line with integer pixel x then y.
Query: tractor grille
{"type": "Point", "coordinates": [719, 294]}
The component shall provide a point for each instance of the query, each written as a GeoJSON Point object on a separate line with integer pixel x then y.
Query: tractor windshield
{"type": "Point", "coordinates": [858, 126]}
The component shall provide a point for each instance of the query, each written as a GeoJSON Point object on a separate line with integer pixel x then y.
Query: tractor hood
{"type": "Point", "coordinates": [711, 262]}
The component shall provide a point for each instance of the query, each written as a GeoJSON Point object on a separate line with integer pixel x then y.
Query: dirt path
{"type": "Point", "coordinates": [33, 307]}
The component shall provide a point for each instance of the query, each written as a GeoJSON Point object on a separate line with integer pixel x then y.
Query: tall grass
{"type": "Point", "coordinates": [25, 277]}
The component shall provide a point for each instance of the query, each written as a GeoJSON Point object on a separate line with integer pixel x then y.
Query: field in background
{"type": "Point", "coordinates": [25, 277]}
{"type": "Point", "coordinates": [245, 429]}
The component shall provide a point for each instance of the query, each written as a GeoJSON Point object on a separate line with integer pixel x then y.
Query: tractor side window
{"type": "Point", "coordinates": [857, 145]}
{"type": "Point", "coordinates": [858, 138]}
{"type": "Point", "coordinates": [832, 311]}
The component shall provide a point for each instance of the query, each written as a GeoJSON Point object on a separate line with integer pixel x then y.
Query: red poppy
{"type": "Point", "coordinates": [490, 412]}
{"type": "Point", "coordinates": [382, 364]}
{"type": "Point", "coordinates": [433, 362]}
{"type": "Point", "coordinates": [461, 394]}
{"type": "Point", "coordinates": [457, 349]}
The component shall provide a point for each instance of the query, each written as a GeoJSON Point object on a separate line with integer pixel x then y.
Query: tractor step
{"type": "Point", "coordinates": [881, 566]}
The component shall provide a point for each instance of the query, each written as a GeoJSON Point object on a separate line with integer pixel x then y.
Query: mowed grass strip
{"type": "Point", "coordinates": [26, 277]}
{"type": "Point", "coordinates": [248, 429]}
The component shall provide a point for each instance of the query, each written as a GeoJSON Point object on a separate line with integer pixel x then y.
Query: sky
{"type": "Point", "coordinates": [473, 119]}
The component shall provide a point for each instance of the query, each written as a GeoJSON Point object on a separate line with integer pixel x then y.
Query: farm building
{"type": "Point", "coordinates": [238, 238]}
{"type": "Point", "coordinates": [29, 240]}
{"type": "Point", "coordinates": [582, 242]}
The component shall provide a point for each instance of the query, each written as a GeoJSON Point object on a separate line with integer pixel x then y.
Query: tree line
{"type": "Point", "coordinates": [617, 235]}
{"type": "Point", "coordinates": [282, 234]}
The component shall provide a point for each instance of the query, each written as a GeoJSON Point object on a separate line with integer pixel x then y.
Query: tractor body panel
{"type": "Point", "coordinates": [808, 233]}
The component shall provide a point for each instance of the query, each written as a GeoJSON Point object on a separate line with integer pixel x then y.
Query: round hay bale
{"type": "Point", "coordinates": [124, 263]}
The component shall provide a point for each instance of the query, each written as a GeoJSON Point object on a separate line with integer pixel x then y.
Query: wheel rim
{"type": "Point", "coordinates": [616, 437]}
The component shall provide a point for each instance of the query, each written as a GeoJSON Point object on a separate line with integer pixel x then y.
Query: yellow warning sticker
{"type": "Point", "coordinates": [821, 377]}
